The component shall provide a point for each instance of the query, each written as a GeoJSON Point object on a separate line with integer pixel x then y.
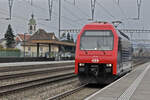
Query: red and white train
{"type": "Point", "coordinates": [102, 53]}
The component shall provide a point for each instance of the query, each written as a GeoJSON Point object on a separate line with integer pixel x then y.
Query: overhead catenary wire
{"type": "Point", "coordinates": [76, 16]}
{"type": "Point", "coordinates": [68, 19]}
{"type": "Point", "coordinates": [74, 2]}
{"type": "Point", "coordinates": [50, 24]}
{"type": "Point", "coordinates": [38, 7]}
{"type": "Point", "coordinates": [139, 2]}
{"type": "Point", "coordinates": [107, 11]}
{"type": "Point", "coordinates": [80, 10]}
{"type": "Point", "coordinates": [14, 23]}
{"type": "Point", "coordinates": [47, 25]}
{"type": "Point", "coordinates": [4, 13]}
{"type": "Point", "coordinates": [122, 11]}
{"type": "Point", "coordinates": [24, 19]}
{"type": "Point", "coordinates": [14, 16]}
{"type": "Point", "coordinates": [98, 3]}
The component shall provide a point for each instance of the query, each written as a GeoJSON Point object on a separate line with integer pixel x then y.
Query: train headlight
{"type": "Point", "coordinates": [109, 65]}
{"type": "Point", "coordinates": [81, 64]}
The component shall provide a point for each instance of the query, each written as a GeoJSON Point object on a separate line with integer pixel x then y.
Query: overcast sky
{"type": "Point", "coordinates": [73, 16]}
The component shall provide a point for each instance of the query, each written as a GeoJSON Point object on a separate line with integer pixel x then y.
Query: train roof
{"type": "Point", "coordinates": [107, 24]}
{"type": "Point", "coordinates": [100, 23]}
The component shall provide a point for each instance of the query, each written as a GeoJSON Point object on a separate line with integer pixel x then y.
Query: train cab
{"type": "Point", "coordinates": [101, 53]}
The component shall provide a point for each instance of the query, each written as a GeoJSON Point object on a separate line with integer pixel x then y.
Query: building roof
{"type": "Point", "coordinates": [29, 43]}
{"type": "Point", "coordinates": [43, 35]}
{"type": "Point", "coordinates": [21, 37]}
{"type": "Point", "coordinates": [53, 42]}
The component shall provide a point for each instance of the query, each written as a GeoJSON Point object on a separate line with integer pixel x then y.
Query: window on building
{"type": "Point", "coordinates": [30, 27]}
{"type": "Point", "coordinates": [29, 48]}
{"type": "Point", "coordinates": [34, 28]}
{"type": "Point", "coordinates": [53, 37]}
{"type": "Point", "coordinates": [41, 49]}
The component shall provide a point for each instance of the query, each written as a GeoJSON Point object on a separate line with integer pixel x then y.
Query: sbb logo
{"type": "Point", "coordinates": [95, 60]}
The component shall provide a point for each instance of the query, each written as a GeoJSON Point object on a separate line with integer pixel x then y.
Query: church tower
{"type": "Point", "coordinates": [32, 25]}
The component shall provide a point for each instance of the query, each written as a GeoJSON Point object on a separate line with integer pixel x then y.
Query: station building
{"type": "Point", "coordinates": [39, 43]}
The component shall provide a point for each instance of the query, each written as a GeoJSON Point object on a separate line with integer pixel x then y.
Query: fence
{"type": "Point", "coordinates": [21, 56]}
{"type": "Point", "coordinates": [10, 53]}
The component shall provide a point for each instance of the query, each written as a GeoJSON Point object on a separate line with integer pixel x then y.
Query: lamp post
{"type": "Point", "coordinates": [24, 44]}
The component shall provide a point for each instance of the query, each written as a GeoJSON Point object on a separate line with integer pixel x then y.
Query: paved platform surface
{"type": "Point", "coordinates": [33, 63]}
{"type": "Point", "coordinates": [133, 86]}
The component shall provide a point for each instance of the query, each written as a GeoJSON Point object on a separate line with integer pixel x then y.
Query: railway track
{"type": "Point", "coordinates": [23, 73]}
{"type": "Point", "coordinates": [20, 86]}
{"type": "Point", "coordinates": [79, 90]}
{"type": "Point", "coordinates": [30, 67]}
{"type": "Point", "coordinates": [28, 77]}
{"type": "Point", "coordinates": [62, 95]}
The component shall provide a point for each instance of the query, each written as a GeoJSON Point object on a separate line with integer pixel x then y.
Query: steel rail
{"type": "Point", "coordinates": [67, 93]}
{"type": "Point", "coordinates": [29, 73]}
{"type": "Point", "coordinates": [28, 67]}
{"type": "Point", "coordinates": [21, 86]}
{"type": "Point", "coordinates": [70, 92]}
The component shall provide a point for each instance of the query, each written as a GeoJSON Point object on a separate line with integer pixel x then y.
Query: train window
{"type": "Point", "coordinates": [97, 40]}
{"type": "Point", "coordinates": [97, 33]}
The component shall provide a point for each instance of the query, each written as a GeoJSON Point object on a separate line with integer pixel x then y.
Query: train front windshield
{"type": "Point", "coordinates": [97, 40]}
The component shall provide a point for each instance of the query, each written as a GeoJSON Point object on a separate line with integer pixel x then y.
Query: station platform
{"type": "Point", "coordinates": [33, 63]}
{"type": "Point", "coordinates": [133, 86]}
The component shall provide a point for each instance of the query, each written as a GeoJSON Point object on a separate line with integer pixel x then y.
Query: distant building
{"type": "Point", "coordinates": [31, 48]}
{"type": "Point", "coordinates": [39, 43]}
{"type": "Point", "coordinates": [3, 42]}
{"type": "Point", "coordinates": [21, 39]}
{"type": "Point", "coordinates": [32, 25]}
{"type": "Point", "coordinates": [42, 43]}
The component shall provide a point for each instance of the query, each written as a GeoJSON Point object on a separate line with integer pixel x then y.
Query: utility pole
{"type": "Point", "coordinates": [24, 44]}
{"type": "Point", "coordinates": [139, 2]}
{"type": "Point", "coordinates": [50, 4]}
{"type": "Point", "coordinates": [31, 3]}
{"type": "Point", "coordinates": [10, 3]}
{"type": "Point", "coordinates": [59, 18]}
{"type": "Point", "coordinates": [74, 2]}
{"type": "Point", "coordinates": [118, 2]}
{"type": "Point", "coordinates": [93, 8]}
